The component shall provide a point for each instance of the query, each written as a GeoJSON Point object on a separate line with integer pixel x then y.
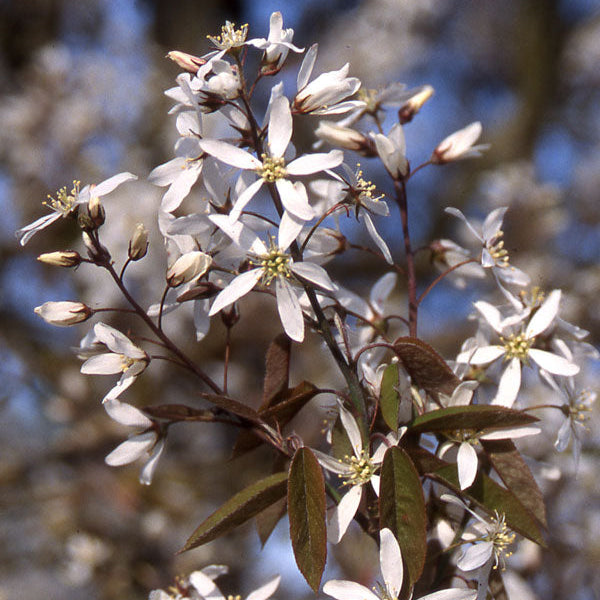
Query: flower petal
{"type": "Point", "coordinates": [229, 154]}
{"type": "Point", "coordinates": [131, 449]}
{"type": "Point", "coordinates": [343, 513]}
{"type": "Point", "coordinates": [509, 385]}
{"type": "Point", "coordinates": [390, 559]}
{"type": "Point", "coordinates": [265, 591]}
{"type": "Point", "coordinates": [544, 315]}
{"type": "Point", "coordinates": [553, 363]}
{"type": "Point", "coordinates": [280, 126]}
{"type": "Point", "coordinates": [313, 273]}
{"type": "Point", "coordinates": [239, 287]}
{"type": "Point", "coordinates": [290, 311]}
{"type": "Point", "coordinates": [126, 414]}
{"type": "Point", "coordinates": [348, 590]}
{"type": "Point", "coordinates": [466, 461]}
{"type": "Point", "coordinates": [313, 163]}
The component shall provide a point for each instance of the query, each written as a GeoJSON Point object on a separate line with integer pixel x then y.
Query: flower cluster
{"type": "Point", "coordinates": [270, 222]}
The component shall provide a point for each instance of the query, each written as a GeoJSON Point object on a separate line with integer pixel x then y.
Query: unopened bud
{"type": "Point", "coordinates": [414, 104]}
{"type": "Point", "coordinates": [187, 267]}
{"type": "Point", "coordinates": [230, 316]}
{"type": "Point", "coordinates": [188, 62]}
{"type": "Point", "coordinates": [65, 258]}
{"type": "Point", "coordinates": [96, 251]}
{"type": "Point", "coordinates": [64, 313]}
{"type": "Point", "coordinates": [138, 244]}
{"type": "Point", "coordinates": [459, 145]}
{"type": "Point", "coordinates": [96, 211]}
{"type": "Point", "coordinates": [201, 291]}
{"type": "Point", "coordinates": [345, 137]}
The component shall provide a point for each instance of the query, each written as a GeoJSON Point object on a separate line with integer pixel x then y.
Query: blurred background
{"type": "Point", "coordinates": [81, 85]}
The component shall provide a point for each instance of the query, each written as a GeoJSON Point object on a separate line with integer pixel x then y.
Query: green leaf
{"type": "Point", "coordinates": [427, 369]}
{"type": "Point", "coordinates": [389, 398]}
{"type": "Point", "coordinates": [470, 417]}
{"type": "Point", "coordinates": [306, 508]}
{"type": "Point", "coordinates": [514, 472]}
{"type": "Point", "coordinates": [239, 509]}
{"type": "Point", "coordinates": [485, 492]}
{"type": "Point", "coordinates": [402, 508]}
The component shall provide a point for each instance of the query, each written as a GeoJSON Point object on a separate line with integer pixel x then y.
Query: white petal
{"type": "Point", "coordinates": [265, 591]}
{"type": "Point", "coordinates": [289, 310]}
{"type": "Point", "coordinates": [331, 464]}
{"type": "Point", "coordinates": [457, 213]}
{"type": "Point", "coordinates": [456, 594]}
{"type": "Point", "coordinates": [553, 363]}
{"type": "Point", "coordinates": [487, 354]}
{"type": "Point", "coordinates": [244, 198]}
{"type": "Point", "coordinates": [131, 449]}
{"type": "Point", "coordinates": [232, 155]}
{"type": "Point", "coordinates": [351, 427]}
{"type": "Point", "coordinates": [313, 163]}
{"type": "Point", "coordinates": [491, 314]}
{"type": "Point", "coordinates": [289, 229]}
{"type": "Point", "coordinates": [307, 66]}
{"type": "Point", "coordinates": [180, 188]}
{"type": "Point", "coordinates": [343, 513]}
{"type": "Point", "coordinates": [124, 382]}
{"type": "Point", "coordinates": [375, 482]}
{"type": "Point", "coordinates": [26, 233]}
{"type": "Point", "coordinates": [475, 556]}
{"type": "Point", "coordinates": [379, 241]}
{"type": "Point", "coordinates": [241, 234]}
{"type": "Point", "coordinates": [205, 586]}
{"type": "Point", "coordinates": [280, 126]}
{"type": "Point", "coordinates": [544, 316]}
{"type": "Point", "coordinates": [110, 184]}
{"type": "Point", "coordinates": [103, 364]}
{"type": "Point", "coordinates": [313, 273]}
{"type": "Point", "coordinates": [466, 461]}
{"type": "Point", "coordinates": [509, 385]}
{"type": "Point", "coordinates": [126, 414]}
{"type": "Point", "coordinates": [240, 286]}
{"type": "Point", "coordinates": [147, 472]}
{"type": "Point", "coordinates": [510, 433]}
{"type": "Point", "coordinates": [390, 559]}
{"type": "Point", "coordinates": [564, 436]}
{"type": "Point", "coordinates": [117, 342]}
{"type": "Point", "coordinates": [382, 289]}
{"type": "Point", "coordinates": [348, 590]}
{"type": "Point", "coordinates": [493, 223]}
{"type": "Point", "coordinates": [295, 199]}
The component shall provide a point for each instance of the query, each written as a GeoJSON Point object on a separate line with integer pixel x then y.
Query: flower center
{"type": "Point", "coordinates": [369, 97]}
{"type": "Point", "coordinates": [274, 264]}
{"type": "Point", "coordinates": [463, 435]}
{"type": "Point", "coordinates": [516, 345]}
{"type": "Point", "coordinates": [501, 537]}
{"type": "Point", "coordinates": [126, 363]}
{"type": "Point", "coordinates": [497, 250]}
{"type": "Point", "coordinates": [234, 597]}
{"type": "Point", "coordinates": [361, 469]}
{"type": "Point", "coordinates": [230, 36]}
{"type": "Point", "coordinates": [580, 407]}
{"type": "Point", "coordinates": [364, 189]}
{"type": "Point", "coordinates": [64, 202]}
{"type": "Point", "coordinates": [273, 168]}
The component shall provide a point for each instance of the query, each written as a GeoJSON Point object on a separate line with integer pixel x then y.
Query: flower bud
{"type": "Point", "coordinates": [201, 291]}
{"type": "Point", "coordinates": [138, 244]}
{"type": "Point", "coordinates": [65, 258]}
{"type": "Point", "coordinates": [459, 145]}
{"type": "Point", "coordinates": [96, 211]}
{"type": "Point", "coordinates": [187, 267]}
{"type": "Point", "coordinates": [188, 62]}
{"type": "Point", "coordinates": [64, 313]}
{"type": "Point", "coordinates": [414, 104]}
{"type": "Point", "coordinates": [345, 137]}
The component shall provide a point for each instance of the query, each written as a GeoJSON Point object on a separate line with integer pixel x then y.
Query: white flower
{"type": "Point", "coordinates": [577, 405]}
{"type": "Point", "coordinates": [277, 45]}
{"type": "Point", "coordinates": [272, 264]}
{"type": "Point", "coordinates": [490, 540]}
{"type": "Point", "coordinates": [204, 585]}
{"type": "Point", "coordinates": [459, 145]}
{"type": "Point", "coordinates": [123, 357]}
{"type": "Point", "coordinates": [493, 254]}
{"type": "Point", "coordinates": [272, 167]}
{"type": "Point", "coordinates": [446, 254]}
{"type": "Point", "coordinates": [517, 347]}
{"type": "Point", "coordinates": [66, 203]}
{"type": "Point", "coordinates": [148, 442]}
{"type": "Point", "coordinates": [392, 570]}
{"type": "Point", "coordinates": [64, 313]}
{"type": "Point", "coordinates": [184, 588]}
{"type": "Point", "coordinates": [357, 471]}
{"type": "Point", "coordinates": [324, 95]}
{"type": "Point", "coordinates": [392, 151]}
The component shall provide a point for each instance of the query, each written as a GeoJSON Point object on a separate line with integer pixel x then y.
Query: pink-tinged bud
{"type": "Point", "coordinates": [65, 258]}
{"type": "Point", "coordinates": [64, 313]}
{"type": "Point", "coordinates": [459, 145]}
{"type": "Point", "coordinates": [96, 211]}
{"type": "Point", "coordinates": [414, 104]}
{"type": "Point", "coordinates": [345, 137]}
{"type": "Point", "coordinates": [187, 267]}
{"type": "Point", "coordinates": [188, 62]}
{"type": "Point", "coordinates": [138, 244]}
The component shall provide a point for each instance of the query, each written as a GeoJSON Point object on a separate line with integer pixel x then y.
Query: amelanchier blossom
{"type": "Point", "coordinates": [272, 263]}
{"type": "Point", "coordinates": [459, 145]}
{"type": "Point", "coordinates": [187, 267]}
{"type": "Point", "coordinates": [392, 571]}
{"type": "Point", "coordinates": [204, 584]}
{"type": "Point", "coordinates": [149, 442]}
{"type": "Point", "coordinates": [356, 471]}
{"type": "Point", "coordinates": [324, 95]}
{"type": "Point", "coordinates": [517, 347]}
{"type": "Point", "coordinates": [490, 541]}
{"type": "Point", "coordinates": [124, 357]}
{"type": "Point", "coordinates": [392, 151]}
{"type": "Point", "coordinates": [272, 167]}
{"type": "Point", "coordinates": [66, 203]}
{"type": "Point", "coordinates": [64, 313]}
{"type": "Point", "coordinates": [277, 45]}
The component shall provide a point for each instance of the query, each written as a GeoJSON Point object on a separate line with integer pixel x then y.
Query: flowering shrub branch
{"type": "Point", "coordinates": [415, 439]}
